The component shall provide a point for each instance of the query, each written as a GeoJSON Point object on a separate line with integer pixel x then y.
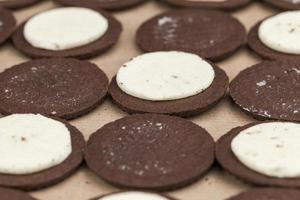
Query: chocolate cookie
{"type": "Point", "coordinates": [268, 194]}
{"type": "Point", "coordinates": [103, 4]}
{"type": "Point", "coordinates": [210, 34]}
{"type": "Point", "coordinates": [269, 90]}
{"type": "Point", "coordinates": [230, 163]}
{"type": "Point", "coordinates": [128, 195]}
{"type": "Point", "coordinates": [141, 151]}
{"type": "Point", "coordinates": [284, 4]}
{"type": "Point", "coordinates": [53, 175]}
{"type": "Point", "coordinates": [7, 24]}
{"type": "Point", "coordinates": [224, 5]}
{"type": "Point", "coordinates": [265, 52]}
{"type": "Point", "coordinates": [102, 44]}
{"type": "Point", "coordinates": [15, 4]}
{"type": "Point", "coordinates": [61, 87]}
{"type": "Point", "coordinates": [10, 194]}
{"type": "Point", "coordinates": [182, 107]}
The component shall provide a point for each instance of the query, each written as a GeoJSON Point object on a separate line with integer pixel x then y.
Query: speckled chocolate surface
{"type": "Point", "coordinates": [104, 4]}
{"type": "Point", "coordinates": [15, 4]}
{"type": "Point", "coordinates": [224, 5]}
{"type": "Point", "coordinates": [66, 88]}
{"type": "Point", "coordinates": [150, 151]}
{"type": "Point", "coordinates": [7, 24]}
{"type": "Point", "coordinates": [231, 164]}
{"type": "Point", "coordinates": [265, 52]}
{"type": "Point", "coordinates": [268, 194]}
{"type": "Point", "coordinates": [185, 107]}
{"type": "Point", "coordinates": [97, 47]}
{"type": "Point", "coordinates": [210, 34]}
{"type": "Point", "coordinates": [10, 194]}
{"type": "Point", "coordinates": [54, 174]}
{"type": "Point", "coordinates": [285, 4]}
{"type": "Point", "coordinates": [269, 90]}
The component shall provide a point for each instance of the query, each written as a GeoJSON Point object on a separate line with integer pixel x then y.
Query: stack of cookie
{"type": "Point", "coordinates": [176, 75]}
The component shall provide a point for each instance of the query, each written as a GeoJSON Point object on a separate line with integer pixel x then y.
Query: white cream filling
{"type": "Point", "coordinates": [163, 76]}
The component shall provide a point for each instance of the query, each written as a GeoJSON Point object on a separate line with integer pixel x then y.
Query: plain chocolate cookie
{"type": "Point", "coordinates": [61, 87]}
{"type": "Point", "coordinates": [10, 194]}
{"type": "Point", "coordinates": [95, 48]}
{"type": "Point", "coordinates": [269, 90]}
{"type": "Point", "coordinates": [7, 24]}
{"type": "Point", "coordinates": [265, 52]}
{"type": "Point", "coordinates": [53, 175]}
{"type": "Point", "coordinates": [284, 4]}
{"type": "Point", "coordinates": [210, 34]}
{"type": "Point", "coordinates": [103, 4]}
{"type": "Point", "coordinates": [15, 4]}
{"type": "Point", "coordinates": [268, 194]}
{"type": "Point", "coordinates": [150, 151]}
{"type": "Point", "coordinates": [224, 5]}
{"type": "Point", "coordinates": [230, 163]}
{"type": "Point", "coordinates": [182, 107]}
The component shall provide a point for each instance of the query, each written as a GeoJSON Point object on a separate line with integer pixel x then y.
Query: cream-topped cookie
{"type": "Point", "coordinates": [270, 148]}
{"type": "Point", "coordinates": [31, 143]}
{"type": "Point", "coordinates": [164, 76]}
{"type": "Point", "coordinates": [281, 32]}
{"type": "Point", "coordinates": [65, 28]}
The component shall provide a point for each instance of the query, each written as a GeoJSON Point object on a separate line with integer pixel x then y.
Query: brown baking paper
{"type": "Point", "coordinates": [216, 185]}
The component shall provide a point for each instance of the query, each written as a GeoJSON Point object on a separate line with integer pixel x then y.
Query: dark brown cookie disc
{"type": "Point", "coordinates": [103, 4]}
{"type": "Point", "coordinates": [116, 193]}
{"type": "Point", "coordinates": [210, 34]}
{"type": "Point", "coordinates": [61, 87]}
{"type": "Point", "coordinates": [15, 4]}
{"type": "Point", "coordinates": [224, 5]}
{"type": "Point", "coordinates": [269, 90]}
{"type": "Point", "coordinates": [284, 4]}
{"type": "Point", "coordinates": [10, 194]}
{"type": "Point", "coordinates": [268, 194]}
{"type": "Point", "coordinates": [265, 52]}
{"type": "Point", "coordinates": [53, 175]}
{"type": "Point", "coordinates": [7, 24]}
{"type": "Point", "coordinates": [230, 163]}
{"type": "Point", "coordinates": [182, 107]}
{"type": "Point", "coordinates": [95, 48]}
{"type": "Point", "coordinates": [149, 151]}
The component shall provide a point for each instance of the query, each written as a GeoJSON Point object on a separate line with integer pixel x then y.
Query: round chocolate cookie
{"type": "Point", "coordinates": [269, 90]}
{"type": "Point", "coordinates": [7, 24]}
{"type": "Point", "coordinates": [103, 4]}
{"type": "Point", "coordinates": [15, 4]}
{"type": "Point", "coordinates": [61, 87]}
{"type": "Point", "coordinates": [268, 194]}
{"type": "Point", "coordinates": [110, 37]}
{"type": "Point", "coordinates": [134, 195]}
{"type": "Point", "coordinates": [265, 52]}
{"type": "Point", "coordinates": [230, 163]}
{"type": "Point", "coordinates": [10, 194]}
{"type": "Point", "coordinates": [222, 4]}
{"type": "Point", "coordinates": [284, 4]}
{"type": "Point", "coordinates": [210, 34]}
{"type": "Point", "coordinates": [141, 151]}
{"type": "Point", "coordinates": [53, 175]}
{"type": "Point", "coordinates": [185, 107]}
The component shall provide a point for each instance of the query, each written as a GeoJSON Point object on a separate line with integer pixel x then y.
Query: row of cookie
{"type": "Point", "coordinates": [141, 152]}
{"type": "Point", "coordinates": [210, 34]}
{"type": "Point", "coordinates": [170, 82]}
{"type": "Point", "coordinates": [121, 4]}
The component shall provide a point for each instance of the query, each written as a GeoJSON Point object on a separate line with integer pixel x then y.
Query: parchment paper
{"type": "Point", "coordinates": [216, 185]}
